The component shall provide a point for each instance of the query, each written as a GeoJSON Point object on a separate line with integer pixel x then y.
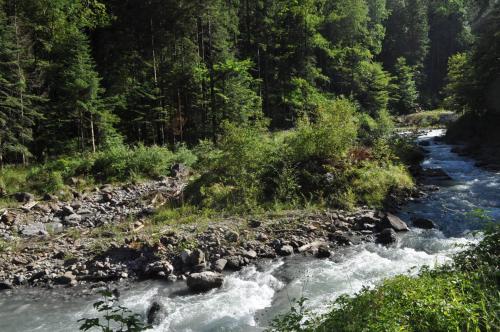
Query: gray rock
{"type": "Point", "coordinates": [323, 251]}
{"type": "Point", "coordinates": [252, 254]}
{"type": "Point", "coordinates": [33, 229]}
{"type": "Point", "coordinates": [197, 257]}
{"type": "Point", "coordinates": [220, 264]}
{"type": "Point", "coordinates": [424, 223]}
{"type": "Point", "coordinates": [185, 254]}
{"type": "Point", "coordinates": [68, 210]}
{"type": "Point", "coordinates": [204, 281]}
{"type": "Point", "coordinates": [387, 236]}
{"type": "Point", "coordinates": [236, 262]}
{"type": "Point", "coordinates": [286, 250]}
{"type": "Point", "coordinates": [153, 314]}
{"type": "Point", "coordinates": [394, 222]}
{"type": "Point", "coordinates": [73, 219]}
{"type": "Point", "coordinates": [160, 269]}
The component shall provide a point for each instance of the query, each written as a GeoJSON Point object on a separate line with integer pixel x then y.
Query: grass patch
{"type": "Point", "coordinates": [114, 165]}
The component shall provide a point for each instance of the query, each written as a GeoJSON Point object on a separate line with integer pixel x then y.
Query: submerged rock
{"type": "Point", "coordinates": [154, 313]}
{"type": "Point", "coordinates": [387, 236]}
{"type": "Point", "coordinates": [424, 223]}
{"type": "Point", "coordinates": [204, 281]}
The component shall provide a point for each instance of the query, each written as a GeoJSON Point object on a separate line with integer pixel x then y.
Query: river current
{"type": "Point", "coordinates": [250, 298]}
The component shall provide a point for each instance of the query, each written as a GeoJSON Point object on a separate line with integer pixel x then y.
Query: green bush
{"type": "Point", "coordinates": [373, 183]}
{"type": "Point", "coordinates": [43, 180]}
{"type": "Point", "coordinates": [328, 137]}
{"type": "Point", "coordinates": [13, 179]}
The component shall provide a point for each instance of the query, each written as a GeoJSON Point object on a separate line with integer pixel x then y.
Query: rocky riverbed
{"type": "Point", "coordinates": [107, 234]}
{"type": "Point", "coordinates": [54, 243]}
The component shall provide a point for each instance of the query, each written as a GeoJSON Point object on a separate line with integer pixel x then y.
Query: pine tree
{"type": "Point", "coordinates": [405, 93]}
{"type": "Point", "coordinates": [18, 107]}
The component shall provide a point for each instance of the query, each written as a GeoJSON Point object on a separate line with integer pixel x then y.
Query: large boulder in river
{"type": "Point", "coordinates": [204, 281]}
{"type": "Point", "coordinates": [394, 222]}
{"type": "Point", "coordinates": [387, 236]}
{"type": "Point", "coordinates": [424, 223]}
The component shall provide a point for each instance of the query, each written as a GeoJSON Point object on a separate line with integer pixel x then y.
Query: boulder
{"type": "Point", "coordinates": [161, 269]}
{"type": "Point", "coordinates": [34, 229]}
{"type": "Point", "coordinates": [153, 314]}
{"type": "Point", "coordinates": [23, 197]}
{"type": "Point", "coordinates": [285, 250]}
{"type": "Point", "coordinates": [220, 264]}
{"type": "Point", "coordinates": [387, 236]}
{"type": "Point", "coordinates": [5, 285]}
{"type": "Point", "coordinates": [197, 258]}
{"type": "Point", "coordinates": [73, 219]}
{"type": "Point", "coordinates": [66, 279]}
{"type": "Point", "coordinates": [423, 223]}
{"type": "Point", "coordinates": [394, 222]}
{"type": "Point", "coordinates": [236, 262]}
{"type": "Point", "coordinates": [323, 251]}
{"type": "Point", "coordinates": [204, 281]}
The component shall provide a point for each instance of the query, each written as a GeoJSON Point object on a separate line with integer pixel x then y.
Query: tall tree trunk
{"type": "Point", "coordinates": [92, 132]}
{"type": "Point", "coordinates": [20, 77]}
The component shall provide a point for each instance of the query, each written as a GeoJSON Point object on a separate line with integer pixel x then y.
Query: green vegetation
{"type": "Point", "coordinates": [318, 162]}
{"type": "Point", "coordinates": [78, 76]}
{"type": "Point", "coordinates": [116, 318]}
{"type": "Point", "coordinates": [472, 87]}
{"type": "Point", "coordinates": [461, 296]}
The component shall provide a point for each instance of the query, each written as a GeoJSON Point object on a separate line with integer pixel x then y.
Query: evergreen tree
{"type": "Point", "coordinates": [405, 92]}
{"type": "Point", "coordinates": [18, 107]}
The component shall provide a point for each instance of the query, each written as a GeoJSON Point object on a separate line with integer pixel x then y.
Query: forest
{"type": "Point", "coordinates": [81, 75]}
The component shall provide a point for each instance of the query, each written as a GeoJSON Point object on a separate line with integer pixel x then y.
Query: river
{"type": "Point", "coordinates": [249, 299]}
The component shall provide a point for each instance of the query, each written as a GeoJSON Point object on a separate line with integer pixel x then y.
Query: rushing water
{"type": "Point", "coordinates": [253, 296]}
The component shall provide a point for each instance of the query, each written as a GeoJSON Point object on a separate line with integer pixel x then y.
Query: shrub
{"type": "Point", "coordinates": [329, 137]}
{"type": "Point", "coordinates": [116, 318]}
{"type": "Point", "coordinates": [373, 183]}
{"type": "Point", "coordinates": [43, 180]}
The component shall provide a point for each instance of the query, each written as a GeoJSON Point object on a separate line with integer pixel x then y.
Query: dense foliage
{"type": "Point", "coordinates": [80, 75]}
{"type": "Point", "coordinates": [461, 296]}
{"type": "Point", "coordinates": [473, 83]}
